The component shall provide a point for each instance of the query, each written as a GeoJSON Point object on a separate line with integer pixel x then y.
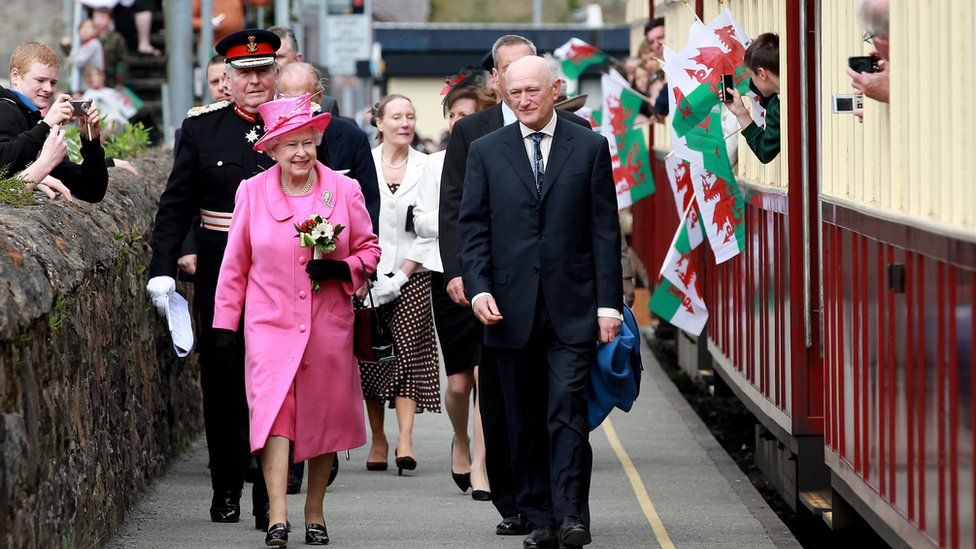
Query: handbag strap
{"type": "Point", "coordinates": [369, 292]}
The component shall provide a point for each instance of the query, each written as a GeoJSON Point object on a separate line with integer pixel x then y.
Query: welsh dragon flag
{"type": "Point", "coordinates": [702, 147]}
{"type": "Point", "coordinates": [628, 151]}
{"type": "Point", "coordinates": [677, 298]}
{"type": "Point", "coordinates": [576, 55]}
{"type": "Point", "coordinates": [679, 175]}
{"type": "Point", "coordinates": [695, 77]}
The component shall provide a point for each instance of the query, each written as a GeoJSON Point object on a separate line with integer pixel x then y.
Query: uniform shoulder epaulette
{"type": "Point", "coordinates": [315, 106]}
{"type": "Point", "coordinates": [204, 109]}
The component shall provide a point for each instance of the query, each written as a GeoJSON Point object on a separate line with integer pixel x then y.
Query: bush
{"type": "Point", "coordinates": [132, 141]}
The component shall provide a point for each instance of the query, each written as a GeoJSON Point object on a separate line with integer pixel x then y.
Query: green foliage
{"type": "Point", "coordinates": [56, 317]}
{"type": "Point", "coordinates": [132, 141]}
{"type": "Point", "coordinates": [72, 138]}
{"type": "Point", "coordinates": [14, 191]}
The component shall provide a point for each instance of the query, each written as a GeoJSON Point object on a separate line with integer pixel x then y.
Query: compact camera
{"type": "Point", "coordinates": [847, 103]}
{"type": "Point", "coordinates": [863, 63]}
{"type": "Point", "coordinates": [80, 106]}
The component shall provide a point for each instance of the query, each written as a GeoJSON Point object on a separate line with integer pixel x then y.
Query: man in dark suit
{"type": "Point", "coordinates": [540, 257]}
{"type": "Point", "coordinates": [505, 51]}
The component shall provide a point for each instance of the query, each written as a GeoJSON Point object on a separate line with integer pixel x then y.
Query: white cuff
{"type": "Point", "coordinates": [477, 297]}
{"type": "Point", "coordinates": [607, 312]}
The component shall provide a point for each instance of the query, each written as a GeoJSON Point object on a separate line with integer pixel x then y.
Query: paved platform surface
{"type": "Point", "coordinates": [659, 480]}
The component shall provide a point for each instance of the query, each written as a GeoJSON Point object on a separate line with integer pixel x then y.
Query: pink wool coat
{"type": "Point", "coordinates": [290, 332]}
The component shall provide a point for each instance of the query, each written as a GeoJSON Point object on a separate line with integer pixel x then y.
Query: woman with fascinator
{"type": "Point", "coordinates": [301, 376]}
{"type": "Point", "coordinates": [459, 331]}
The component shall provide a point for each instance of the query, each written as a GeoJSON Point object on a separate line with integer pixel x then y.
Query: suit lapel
{"type": "Point", "coordinates": [517, 157]}
{"type": "Point", "coordinates": [559, 152]}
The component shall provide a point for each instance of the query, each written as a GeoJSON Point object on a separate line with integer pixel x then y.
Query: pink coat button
{"type": "Point", "coordinates": [304, 365]}
{"type": "Point", "coordinates": [302, 294]}
{"type": "Point", "coordinates": [301, 260]}
{"type": "Point", "coordinates": [301, 328]}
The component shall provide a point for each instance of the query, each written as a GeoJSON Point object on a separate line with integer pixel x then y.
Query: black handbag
{"type": "Point", "coordinates": [372, 340]}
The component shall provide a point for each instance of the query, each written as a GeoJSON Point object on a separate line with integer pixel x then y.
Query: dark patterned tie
{"type": "Point", "coordinates": [538, 168]}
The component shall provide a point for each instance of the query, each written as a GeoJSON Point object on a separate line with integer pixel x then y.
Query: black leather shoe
{"type": "Point", "coordinates": [541, 537]}
{"type": "Point", "coordinates": [225, 507]}
{"type": "Point", "coordinates": [277, 536]}
{"type": "Point", "coordinates": [480, 495]}
{"type": "Point", "coordinates": [316, 534]}
{"type": "Point", "coordinates": [572, 531]}
{"type": "Point", "coordinates": [515, 525]}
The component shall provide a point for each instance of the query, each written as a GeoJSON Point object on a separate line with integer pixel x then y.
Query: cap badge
{"type": "Point", "coordinates": [251, 45]}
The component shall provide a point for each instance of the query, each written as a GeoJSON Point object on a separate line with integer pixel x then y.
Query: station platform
{"type": "Point", "coordinates": [659, 480]}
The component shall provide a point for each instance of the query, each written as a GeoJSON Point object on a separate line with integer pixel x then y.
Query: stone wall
{"type": "Point", "coordinates": [94, 401]}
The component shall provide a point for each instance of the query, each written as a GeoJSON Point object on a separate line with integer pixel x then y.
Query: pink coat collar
{"type": "Point", "coordinates": [278, 204]}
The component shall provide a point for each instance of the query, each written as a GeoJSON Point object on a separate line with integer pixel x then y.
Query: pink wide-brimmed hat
{"type": "Point", "coordinates": [289, 114]}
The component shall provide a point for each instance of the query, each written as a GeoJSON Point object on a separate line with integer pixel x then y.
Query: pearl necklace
{"type": "Point", "coordinates": [305, 188]}
{"type": "Point", "coordinates": [391, 166]}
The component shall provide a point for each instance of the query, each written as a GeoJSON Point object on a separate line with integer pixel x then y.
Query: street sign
{"type": "Point", "coordinates": [350, 39]}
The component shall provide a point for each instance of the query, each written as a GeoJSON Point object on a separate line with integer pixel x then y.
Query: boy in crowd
{"type": "Point", "coordinates": [113, 48]}
{"type": "Point", "coordinates": [762, 58]}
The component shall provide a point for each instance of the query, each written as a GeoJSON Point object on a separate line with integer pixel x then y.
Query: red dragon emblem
{"type": "Point", "coordinates": [578, 52]}
{"type": "Point", "coordinates": [680, 103]}
{"type": "Point", "coordinates": [682, 183]}
{"type": "Point", "coordinates": [717, 60]}
{"type": "Point", "coordinates": [629, 172]}
{"type": "Point", "coordinates": [618, 115]}
{"type": "Point", "coordinates": [727, 214]}
{"type": "Point", "coordinates": [685, 300]}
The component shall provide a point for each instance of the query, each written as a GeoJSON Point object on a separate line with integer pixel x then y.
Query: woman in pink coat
{"type": "Point", "coordinates": [302, 379]}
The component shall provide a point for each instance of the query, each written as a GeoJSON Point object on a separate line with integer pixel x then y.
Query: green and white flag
{"type": "Point", "coordinates": [576, 55]}
{"type": "Point", "coordinates": [714, 50]}
{"type": "Point", "coordinates": [629, 156]}
{"type": "Point", "coordinates": [677, 297]}
{"type": "Point", "coordinates": [679, 175]}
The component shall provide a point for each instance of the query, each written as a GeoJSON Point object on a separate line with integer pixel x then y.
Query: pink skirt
{"type": "Point", "coordinates": [284, 423]}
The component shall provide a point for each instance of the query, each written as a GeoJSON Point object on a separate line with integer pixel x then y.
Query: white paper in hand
{"type": "Point", "coordinates": [180, 326]}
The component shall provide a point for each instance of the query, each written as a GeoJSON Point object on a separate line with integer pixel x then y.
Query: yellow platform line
{"type": "Point", "coordinates": [640, 491]}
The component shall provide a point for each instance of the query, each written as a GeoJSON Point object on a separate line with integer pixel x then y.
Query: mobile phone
{"type": "Point", "coordinates": [847, 103]}
{"type": "Point", "coordinates": [80, 106]}
{"type": "Point", "coordinates": [727, 82]}
{"type": "Point", "coordinates": [863, 63]}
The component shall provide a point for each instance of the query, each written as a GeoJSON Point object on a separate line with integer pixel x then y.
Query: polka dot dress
{"type": "Point", "coordinates": [415, 373]}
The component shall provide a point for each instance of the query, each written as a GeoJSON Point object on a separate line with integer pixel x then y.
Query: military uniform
{"type": "Point", "coordinates": [213, 156]}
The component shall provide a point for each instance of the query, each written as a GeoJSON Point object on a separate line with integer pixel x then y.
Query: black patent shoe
{"type": "Point", "coordinates": [316, 534]}
{"type": "Point", "coordinates": [225, 507]}
{"type": "Point", "coordinates": [405, 462]}
{"type": "Point", "coordinates": [515, 525]}
{"type": "Point", "coordinates": [572, 532]}
{"type": "Point", "coordinates": [277, 536]}
{"type": "Point", "coordinates": [543, 537]}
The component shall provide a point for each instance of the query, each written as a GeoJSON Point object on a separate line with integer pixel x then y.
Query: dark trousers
{"type": "Point", "coordinates": [495, 425]}
{"type": "Point", "coordinates": [225, 412]}
{"type": "Point", "coordinates": [543, 389]}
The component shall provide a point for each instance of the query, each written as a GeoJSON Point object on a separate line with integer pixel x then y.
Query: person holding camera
{"type": "Point", "coordinates": [26, 133]}
{"type": "Point", "coordinates": [762, 58]}
{"type": "Point", "coordinates": [872, 79]}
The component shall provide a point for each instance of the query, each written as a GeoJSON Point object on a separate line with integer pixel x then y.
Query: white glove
{"type": "Point", "coordinates": [399, 278]}
{"type": "Point", "coordinates": [160, 288]}
{"type": "Point", "coordinates": [385, 290]}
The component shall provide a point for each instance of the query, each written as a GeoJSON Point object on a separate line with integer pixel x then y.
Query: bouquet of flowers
{"type": "Point", "coordinates": [317, 233]}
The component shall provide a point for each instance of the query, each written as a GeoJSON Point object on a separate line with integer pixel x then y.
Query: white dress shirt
{"type": "Point", "coordinates": [508, 115]}
{"type": "Point", "coordinates": [545, 144]}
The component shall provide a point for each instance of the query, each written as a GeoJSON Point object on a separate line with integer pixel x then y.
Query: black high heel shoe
{"type": "Point", "coordinates": [405, 462]}
{"type": "Point", "coordinates": [463, 480]}
{"type": "Point", "coordinates": [481, 495]}
{"type": "Point", "coordinates": [316, 534]}
{"type": "Point", "coordinates": [277, 536]}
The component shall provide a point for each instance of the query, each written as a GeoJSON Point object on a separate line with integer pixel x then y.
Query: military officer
{"type": "Point", "coordinates": [213, 156]}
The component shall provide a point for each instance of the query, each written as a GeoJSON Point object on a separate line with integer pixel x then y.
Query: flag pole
{"type": "Point", "coordinates": [687, 5]}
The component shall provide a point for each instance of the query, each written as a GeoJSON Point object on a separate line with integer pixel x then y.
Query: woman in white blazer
{"type": "Point", "coordinates": [401, 291]}
{"type": "Point", "coordinates": [459, 332]}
